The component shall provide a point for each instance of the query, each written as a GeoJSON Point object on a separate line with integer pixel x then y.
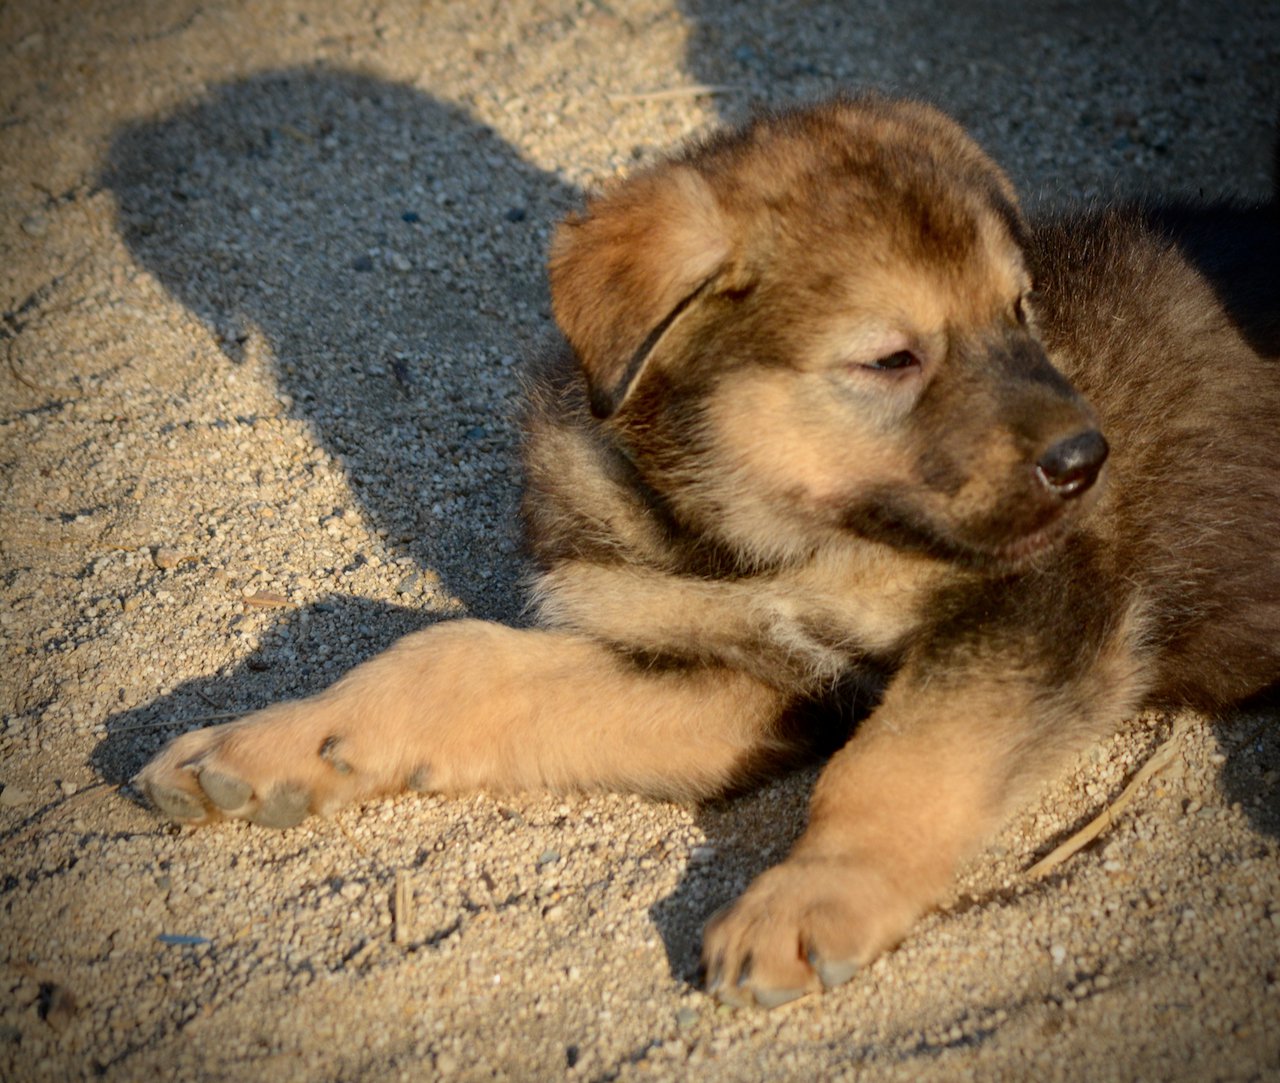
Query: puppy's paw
{"type": "Point", "coordinates": [274, 768]}
{"type": "Point", "coordinates": [806, 925]}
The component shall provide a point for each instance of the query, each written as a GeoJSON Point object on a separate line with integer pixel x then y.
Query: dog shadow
{"type": "Point", "coordinates": [295, 658]}
{"type": "Point", "coordinates": [1174, 74]}
{"type": "Point", "coordinates": [755, 828]}
{"type": "Point", "coordinates": [380, 253]}
{"type": "Point", "coordinates": [745, 835]}
{"type": "Point", "coordinates": [1250, 741]}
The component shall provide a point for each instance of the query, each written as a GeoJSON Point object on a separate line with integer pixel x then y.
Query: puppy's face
{"type": "Point", "coordinates": [823, 324]}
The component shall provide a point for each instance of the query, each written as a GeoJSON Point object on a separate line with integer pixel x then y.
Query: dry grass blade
{"type": "Point", "coordinates": [39, 821]}
{"type": "Point", "coordinates": [13, 326]}
{"type": "Point", "coordinates": [404, 907]}
{"type": "Point", "coordinates": [1160, 759]}
{"type": "Point", "coordinates": [21, 377]}
{"type": "Point", "coordinates": [220, 716]}
{"type": "Point", "coordinates": [355, 843]}
{"type": "Point", "coordinates": [695, 90]}
{"type": "Point", "coordinates": [266, 599]}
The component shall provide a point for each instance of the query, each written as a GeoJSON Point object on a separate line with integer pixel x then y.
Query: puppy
{"type": "Point", "coordinates": [832, 424]}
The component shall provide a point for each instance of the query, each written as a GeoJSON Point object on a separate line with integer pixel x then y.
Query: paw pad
{"type": "Point", "coordinates": [225, 791]}
{"type": "Point", "coordinates": [832, 973]}
{"type": "Point", "coordinates": [174, 802]}
{"type": "Point", "coordinates": [775, 998]}
{"type": "Point", "coordinates": [285, 806]}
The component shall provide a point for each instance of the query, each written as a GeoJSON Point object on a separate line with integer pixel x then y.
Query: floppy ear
{"type": "Point", "coordinates": [624, 269]}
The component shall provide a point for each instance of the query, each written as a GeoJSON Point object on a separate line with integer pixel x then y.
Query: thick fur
{"type": "Point", "coordinates": [829, 421]}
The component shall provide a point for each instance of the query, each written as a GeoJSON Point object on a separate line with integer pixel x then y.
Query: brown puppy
{"type": "Point", "coordinates": [810, 429]}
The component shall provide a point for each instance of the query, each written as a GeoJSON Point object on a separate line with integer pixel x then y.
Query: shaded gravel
{"type": "Point", "coordinates": [266, 272]}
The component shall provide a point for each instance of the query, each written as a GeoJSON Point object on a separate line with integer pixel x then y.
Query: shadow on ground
{"type": "Point", "coordinates": [745, 836]}
{"type": "Point", "coordinates": [383, 252]}
{"type": "Point", "coordinates": [1250, 740]}
{"type": "Point", "coordinates": [297, 658]}
{"type": "Point", "coordinates": [1094, 80]}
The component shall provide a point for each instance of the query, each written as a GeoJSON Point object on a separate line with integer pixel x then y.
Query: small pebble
{"type": "Point", "coordinates": [11, 797]}
{"type": "Point", "coordinates": [166, 557]}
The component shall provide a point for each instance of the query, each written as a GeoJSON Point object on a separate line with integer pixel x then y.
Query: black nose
{"type": "Point", "coordinates": [1071, 465]}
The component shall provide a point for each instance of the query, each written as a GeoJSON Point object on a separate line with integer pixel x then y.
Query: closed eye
{"type": "Point", "coordinates": [894, 362]}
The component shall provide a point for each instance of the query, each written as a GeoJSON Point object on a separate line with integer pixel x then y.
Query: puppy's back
{"type": "Point", "coordinates": [1168, 319]}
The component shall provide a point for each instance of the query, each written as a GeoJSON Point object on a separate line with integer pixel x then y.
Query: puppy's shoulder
{"type": "Point", "coordinates": [1146, 264]}
{"type": "Point", "coordinates": [583, 499]}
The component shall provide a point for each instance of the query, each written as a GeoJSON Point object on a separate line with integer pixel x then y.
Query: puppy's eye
{"type": "Point", "coordinates": [894, 362]}
{"type": "Point", "coordinates": [1021, 306]}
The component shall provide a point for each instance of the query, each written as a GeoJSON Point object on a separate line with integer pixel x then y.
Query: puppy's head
{"type": "Point", "coordinates": [823, 323]}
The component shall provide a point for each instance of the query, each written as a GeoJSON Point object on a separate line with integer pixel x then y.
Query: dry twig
{"type": "Point", "coordinates": [1160, 759]}
{"type": "Point", "coordinates": [220, 716]}
{"type": "Point", "coordinates": [404, 907]}
{"type": "Point", "coordinates": [694, 90]}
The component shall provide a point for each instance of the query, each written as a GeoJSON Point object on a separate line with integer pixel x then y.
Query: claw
{"type": "Point", "coordinates": [714, 974]}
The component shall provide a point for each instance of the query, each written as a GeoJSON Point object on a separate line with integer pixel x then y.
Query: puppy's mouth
{"type": "Point", "coordinates": [1022, 551]}
{"type": "Point", "coordinates": [894, 522]}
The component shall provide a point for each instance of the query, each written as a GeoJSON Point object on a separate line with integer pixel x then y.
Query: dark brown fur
{"type": "Point", "coordinates": [810, 430]}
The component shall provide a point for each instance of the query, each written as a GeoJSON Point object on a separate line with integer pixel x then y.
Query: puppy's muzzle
{"type": "Point", "coordinates": [1071, 466]}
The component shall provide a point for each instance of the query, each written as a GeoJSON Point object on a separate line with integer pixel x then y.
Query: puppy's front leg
{"type": "Point", "coordinates": [469, 704]}
{"type": "Point", "coordinates": [920, 786]}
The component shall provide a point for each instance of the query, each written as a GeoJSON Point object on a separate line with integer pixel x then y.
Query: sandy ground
{"type": "Point", "coordinates": [267, 270]}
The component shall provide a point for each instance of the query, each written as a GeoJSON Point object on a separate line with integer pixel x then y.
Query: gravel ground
{"type": "Point", "coordinates": [267, 270]}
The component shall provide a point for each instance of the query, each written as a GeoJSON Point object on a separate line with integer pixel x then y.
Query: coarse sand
{"type": "Point", "coordinates": [267, 270]}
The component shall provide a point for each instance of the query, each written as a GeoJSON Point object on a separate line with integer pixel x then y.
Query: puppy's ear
{"type": "Point", "coordinates": [623, 270]}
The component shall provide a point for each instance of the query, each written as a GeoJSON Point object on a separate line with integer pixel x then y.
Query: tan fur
{"type": "Point", "coordinates": [803, 442]}
{"type": "Point", "coordinates": [529, 718]}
